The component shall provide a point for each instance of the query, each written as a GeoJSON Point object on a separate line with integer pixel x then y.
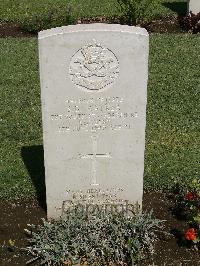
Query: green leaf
{"type": "Point", "coordinates": [197, 219]}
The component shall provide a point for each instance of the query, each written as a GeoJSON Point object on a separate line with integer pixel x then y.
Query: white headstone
{"type": "Point", "coordinates": [194, 6]}
{"type": "Point", "coordinates": [94, 93]}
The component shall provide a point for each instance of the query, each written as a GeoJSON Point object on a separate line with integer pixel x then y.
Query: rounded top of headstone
{"type": "Point", "coordinates": [92, 27]}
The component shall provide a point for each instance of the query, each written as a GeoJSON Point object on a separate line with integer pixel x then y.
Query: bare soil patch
{"type": "Point", "coordinates": [171, 24]}
{"type": "Point", "coordinates": [166, 25]}
{"type": "Point", "coordinates": [13, 30]}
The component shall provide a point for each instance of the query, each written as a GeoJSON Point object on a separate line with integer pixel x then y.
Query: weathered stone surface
{"type": "Point", "coordinates": [94, 93]}
{"type": "Point", "coordinates": [194, 6]}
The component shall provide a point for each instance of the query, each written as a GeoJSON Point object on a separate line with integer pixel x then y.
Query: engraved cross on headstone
{"type": "Point", "coordinates": [93, 156]}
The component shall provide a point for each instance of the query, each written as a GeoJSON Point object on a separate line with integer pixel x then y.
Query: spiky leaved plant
{"type": "Point", "coordinates": [100, 239]}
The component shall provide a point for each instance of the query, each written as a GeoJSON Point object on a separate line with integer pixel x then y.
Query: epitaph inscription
{"type": "Point", "coordinates": [98, 200]}
{"type": "Point", "coordinates": [94, 67]}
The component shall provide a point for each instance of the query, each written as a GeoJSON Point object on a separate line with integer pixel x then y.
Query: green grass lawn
{"type": "Point", "coordinates": [15, 10]}
{"type": "Point", "coordinates": [173, 131]}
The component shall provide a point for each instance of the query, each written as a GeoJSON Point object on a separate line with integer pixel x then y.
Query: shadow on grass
{"type": "Point", "coordinates": [33, 157]}
{"type": "Point", "coordinates": [179, 7]}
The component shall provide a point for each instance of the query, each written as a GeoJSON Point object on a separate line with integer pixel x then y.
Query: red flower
{"type": "Point", "coordinates": [190, 196]}
{"type": "Point", "coordinates": [190, 234]}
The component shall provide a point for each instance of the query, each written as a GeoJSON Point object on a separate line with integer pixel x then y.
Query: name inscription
{"type": "Point", "coordinates": [94, 114]}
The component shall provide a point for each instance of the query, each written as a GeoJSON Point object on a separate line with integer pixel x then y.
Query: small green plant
{"type": "Point", "coordinates": [9, 245]}
{"type": "Point", "coordinates": [136, 12]}
{"type": "Point", "coordinates": [100, 239]}
{"type": "Point", "coordinates": [55, 18]}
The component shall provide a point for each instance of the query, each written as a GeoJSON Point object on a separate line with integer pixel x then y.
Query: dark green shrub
{"type": "Point", "coordinates": [55, 18]}
{"type": "Point", "coordinates": [136, 12]}
{"type": "Point", "coordinates": [100, 239]}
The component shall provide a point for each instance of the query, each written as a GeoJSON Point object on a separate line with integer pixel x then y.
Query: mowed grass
{"type": "Point", "coordinates": [17, 11]}
{"type": "Point", "coordinates": [20, 112]}
{"type": "Point", "coordinates": [173, 128]}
